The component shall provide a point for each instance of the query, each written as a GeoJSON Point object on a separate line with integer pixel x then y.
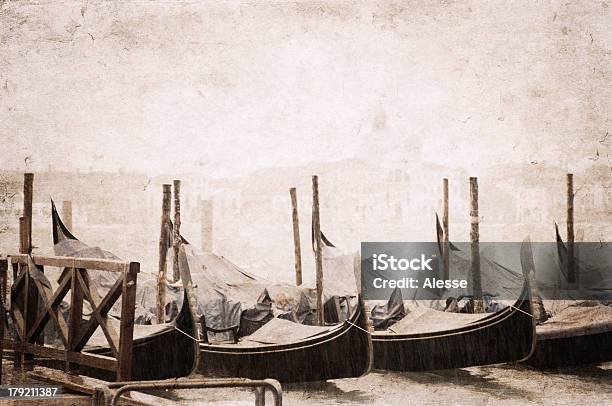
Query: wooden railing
{"type": "Point", "coordinates": [33, 304]}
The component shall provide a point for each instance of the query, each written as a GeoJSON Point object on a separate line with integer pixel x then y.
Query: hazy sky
{"type": "Point", "coordinates": [227, 88]}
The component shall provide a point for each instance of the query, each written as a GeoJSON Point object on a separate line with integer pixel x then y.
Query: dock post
{"type": "Point", "coordinates": [176, 241]}
{"type": "Point", "coordinates": [67, 214]}
{"type": "Point", "coordinates": [296, 237]}
{"type": "Point", "coordinates": [31, 301]}
{"type": "Point", "coordinates": [76, 317]}
{"type": "Point", "coordinates": [20, 300]}
{"type": "Point", "coordinates": [126, 326]}
{"type": "Point", "coordinates": [445, 243]}
{"type": "Point", "coordinates": [316, 229]}
{"type": "Point", "coordinates": [475, 246]}
{"type": "Point", "coordinates": [28, 194]}
{"type": "Point", "coordinates": [163, 254]}
{"type": "Point", "coordinates": [571, 268]}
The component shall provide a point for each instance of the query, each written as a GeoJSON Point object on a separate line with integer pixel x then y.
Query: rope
{"type": "Point", "coordinates": [188, 335]}
{"type": "Point", "coordinates": [355, 325]}
{"type": "Point", "coordinates": [522, 311]}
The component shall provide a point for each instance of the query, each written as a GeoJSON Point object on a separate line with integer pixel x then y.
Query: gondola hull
{"type": "Point", "coordinates": [562, 347]}
{"type": "Point", "coordinates": [344, 352]}
{"type": "Point", "coordinates": [571, 350]}
{"type": "Point", "coordinates": [505, 336]}
{"type": "Point", "coordinates": [167, 354]}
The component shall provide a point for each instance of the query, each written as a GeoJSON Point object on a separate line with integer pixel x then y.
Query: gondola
{"type": "Point", "coordinates": [159, 351]}
{"type": "Point", "coordinates": [581, 333]}
{"type": "Point", "coordinates": [306, 353]}
{"type": "Point", "coordinates": [483, 339]}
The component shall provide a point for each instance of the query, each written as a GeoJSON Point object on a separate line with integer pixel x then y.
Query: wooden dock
{"type": "Point", "coordinates": [76, 389]}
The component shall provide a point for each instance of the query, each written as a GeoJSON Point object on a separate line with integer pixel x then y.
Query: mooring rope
{"type": "Point", "coordinates": [188, 335]}
{"type": "Point", "coordinates": [355, 325]}
{"type": "Point", "coordinates": [522, 311]}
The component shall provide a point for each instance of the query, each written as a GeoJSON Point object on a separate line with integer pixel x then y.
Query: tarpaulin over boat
{"type": "Point", "coordinates": [429, 315]}
{"type": "Point", "coordinates": [579, 318]}
{"type": "Point", "coordinates": [592, 275]}
{"type": "Point", "coordinates": [142, 317]}
{"type": "Point", "coordinates": [426, 320]}
{"type": "Point", "coordinates": [496, 279]}
{"type": "Point", "coordinates": [228, 297]}
{"type": "Point", "coordinates": [67, 245]}
{"type": "Point", "coordinates": [278, 331]}
{"type": "Point", "coordinates": [578, 331]}
{"type": "Point", "coordinates": [102, 281]}
{"type": "Point", "coordinates": [385, 315]}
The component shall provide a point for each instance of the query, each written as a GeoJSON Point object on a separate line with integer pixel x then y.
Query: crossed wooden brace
{"type": "Point", "coordinates": [73, 338]}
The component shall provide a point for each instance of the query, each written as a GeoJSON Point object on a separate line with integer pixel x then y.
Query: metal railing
{"type": "Point", "coordinates": [260, 387]}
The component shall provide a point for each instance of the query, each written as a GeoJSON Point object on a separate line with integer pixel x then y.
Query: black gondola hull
{"type": "Point", "coordinates": [506, 336]}
{"type": "Point", "coordinates": [572, 350]}
{"type": "Point", "coordinates": [345, 352]}
{"type": "Point", "coordinates": [168, 354]}
{"type": "Point", "coordinates": [572, 347]}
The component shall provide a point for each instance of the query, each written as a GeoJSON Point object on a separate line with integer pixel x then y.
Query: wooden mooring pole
{"type": "Point", "coordinates": [296, 237]}
{"type": "Point", "coordinates": [21, 300]}
{"type": "Point", "coordinates": [126, 326]}
{"type": "Point", "coordinates": [176, 241]}
{"type": "Point", "coordinates": [571, 269]}
{"type": "Point", "coordinates": [28, 195]}
{"type": "Point", "coordinates": [25, 243]}
{"type": "Point", "coordinates": [163, 254]}
{"type": "Point", "coordinates": [475, 246]}
{"type": "Point", "coordinates": [445, 243]}
{"type": "Point", "coordinates": [67, 214]}
{"type": "Point", "coordinates": [206, 207]}
{"type": "Point", "coordinates": [316, 229]}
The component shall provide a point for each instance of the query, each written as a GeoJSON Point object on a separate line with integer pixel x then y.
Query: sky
{"type": "Point", "coordinates": [227, 88]}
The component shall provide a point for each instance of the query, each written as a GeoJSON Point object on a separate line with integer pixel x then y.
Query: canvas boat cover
{"type": "Point", "coordinates": [102, 281]}
{"type": "Point", "coordinates": [572, 317]}
{"type": "Point", "coordinates": [577, 318]}
{"type": "Point", "coordinates": [66, 244]}
{"type": "Point", "coordinates": [496, 279]}
{"type": "Point", "coordinates": [227, 297]}
{"type": "Point", "coordinates": [385, 315]}
{"type": "Point", "coordinates": [591, 273]}
{"type": "Point", "coordinates": [399, 315]}
{"type": "Point", "coordinates": [427, 320]}
{"type": "Point", "coordinates": [279, 331]}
